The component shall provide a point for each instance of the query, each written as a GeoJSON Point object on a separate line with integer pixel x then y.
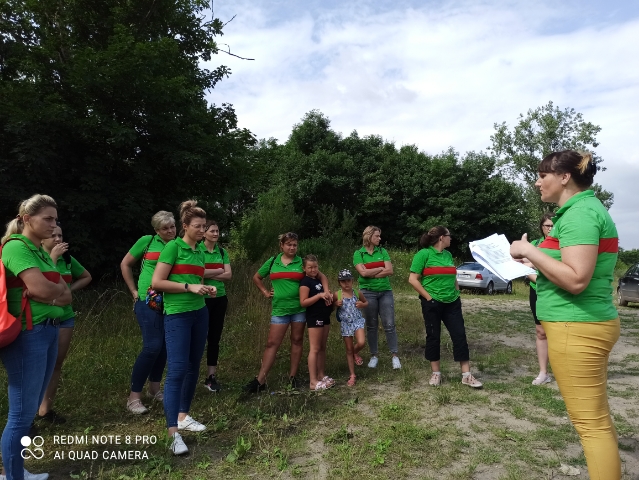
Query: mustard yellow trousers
{"type": "Point", "coordinates": [578, 354]}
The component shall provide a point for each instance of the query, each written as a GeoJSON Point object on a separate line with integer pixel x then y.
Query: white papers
{"type": "Point", "coordinates": [494, 253]}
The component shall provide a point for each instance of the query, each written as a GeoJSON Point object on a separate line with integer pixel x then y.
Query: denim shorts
{"type": "Point", "coordinates": [286, 319]}
{"type": "Point", "coordinates": [68, 323]}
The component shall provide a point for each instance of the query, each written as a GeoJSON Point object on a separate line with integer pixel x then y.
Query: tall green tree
{"type": "Point", "coordinates": [102, 106]}
{"type": "Point", "coordinates": [541, 131]}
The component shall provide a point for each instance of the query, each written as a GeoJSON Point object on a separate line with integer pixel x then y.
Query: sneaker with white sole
{"type": "Point", "coordinates": [178, 447]}
{"type": "Point", "coordinates": [35, 476]}
{"type": "Point", "coordinates": [157, 396]}
{"type": "Point", "coordinates": [471, 381]}
{"type": "Point", "coordinates": [542, 379]}
{"type": "Point", "coordinates": [435, 380]}
{"type": "Point", "coordinates": [372, 363]}
{"type": "Point", "coordinates": [136, 407]}
{"type": "Point", "coordinates": [190, 425]}
{"type": "Point", "coordinates": [396, 363]}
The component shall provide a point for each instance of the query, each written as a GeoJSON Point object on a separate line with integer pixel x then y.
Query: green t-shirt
{"type": "Point", "coordinates": [187, 267]}
{"type": "Point", "coordinates": [69, 273]}
{"type": "Point", "coordinates": [18, 257]}
{"type": "Point", "coordinates": [438, 273]}
{"type": "Point", "coordinates": [149, 259]}
{"type": "Point", "coordinates": [213, 260]}
{"type": "Point", "coordinates": [582, 220]}
{"type": "Point", "coordinates": [374, 260]}
{"type": "Point", "coordinates": [286, 285]}
{"type": "Point", "coordinates": [535, 243]}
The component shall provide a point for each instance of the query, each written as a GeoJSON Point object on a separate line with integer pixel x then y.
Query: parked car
{"type": "Point", "coordinates": [475, 276]}
{"type": "Point", "coordinates": [628, 289]}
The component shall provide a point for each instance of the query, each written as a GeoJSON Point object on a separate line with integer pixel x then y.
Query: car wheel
{"type": "Point", "coordinates": [490, 289]}
{"type": "Point", "coordinates": [620, 299]}
{"type": "Point", "coordinates": [509, 288]}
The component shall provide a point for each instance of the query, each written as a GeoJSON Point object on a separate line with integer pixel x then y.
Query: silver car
{"type": "Point", "coordinates": [475, 276]}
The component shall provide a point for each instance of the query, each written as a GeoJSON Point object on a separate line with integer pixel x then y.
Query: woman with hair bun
{"type": "Point", "coordinates": [434, 276]}
{"type": "Point", "coordinates": [34, 281]}
{"type": "Point", "coordinates": [576, 264]}
{"type": "Point", "coordinates": [76, 277]}
{"type": "Point", "coordinates": [179, 274]}
{"type": "Point", "coordinates": [152, 359]}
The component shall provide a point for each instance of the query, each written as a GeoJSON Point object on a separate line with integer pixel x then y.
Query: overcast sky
{"type": "Point", "coordinates": [439, 74]}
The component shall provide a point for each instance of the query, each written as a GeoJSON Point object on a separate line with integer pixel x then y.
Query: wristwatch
{"type": "Point", "coordinates": [186, 287]}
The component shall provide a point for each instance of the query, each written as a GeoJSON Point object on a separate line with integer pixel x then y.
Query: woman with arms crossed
{"type": "Point", "coordinates": [180, 274]}
{"type": "Point", "coordinates": [433, 275]}
{"type": "Point", "coordinates": [76, 277]}
{"type": "Point", "coordinates": [285, 271]}
{"type": "Point", "coordinates": [218, 271]}
{"type": "Point", "coordinates": [374, 266]}
{"type": "Point", "coordinates": [576, 262]}
{"type": "Point", "coordinates": [29, 360]}
{"type": "Point", "coordinates": [152, 359]}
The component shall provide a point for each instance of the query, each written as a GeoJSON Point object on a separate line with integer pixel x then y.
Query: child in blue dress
{"type": "Point", "coordinates": [348, 303]}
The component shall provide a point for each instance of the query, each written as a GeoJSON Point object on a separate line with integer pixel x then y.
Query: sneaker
{"type": "Point", "coordinates": [254, 386]}
{"type": "Point", "coordinates": [190, 425]}
{"type": "Point", "coordinates": [178, 447]}
{"type": "Point", "coordinates": [136, 406]}
{"type": "Point", "coordinates": [294, 383]}
{"type": "Point", "coordinates": [34, 476]}
{"type": "Point", "coordinates": [435, 380]}
{"type": "Point", "coordinates": [372, 363]}
{"type": "Point", "coordinates": [51, 417]}
{"type": "Point", "coordinates": [471, 381]}
{"type": "Point", "coordinates": [211, 384]}
{"type": "Point", "coordinates": [157, 397]}
{"type": "Point", "coordinates": [396, 364]}
{"type": "Point", "coordinates": [541, 379]}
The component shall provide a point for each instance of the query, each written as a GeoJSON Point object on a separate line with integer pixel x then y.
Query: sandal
{"type": "Point", "coordinates": [136, 406]}
{"type": "Point", "coordinates": [328, 381]}
{"type": "Point", "coordinates": [351, 381]}
{"type": "Point", "coordinates": [358, 360]}
{"type": "Point", "coordinates": [319, 386]}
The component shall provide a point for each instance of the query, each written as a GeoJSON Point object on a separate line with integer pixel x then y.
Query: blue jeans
{"type": "Point", "coordinates": [29, 363]}
{"type": "Point", "coordinates": [286, 319]}
{"type": "Point", "coordinates": [380, 304]}
{"type": "Point", "coordinates": [185, 339]}
{"type": "Point", "coordinates": [152, 359]}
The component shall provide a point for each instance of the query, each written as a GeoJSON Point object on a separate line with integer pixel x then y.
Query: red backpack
{"type": "Point", "coordinates": [10, 326]}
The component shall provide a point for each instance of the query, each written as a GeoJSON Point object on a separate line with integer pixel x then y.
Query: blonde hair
{"type": "Point", "coordinates": [30, 206]}
{"type": "Point", "coordinates": [368, 233]}
{"type": "Point", "coordinates": [189, 210]}
{"type": "Point", "coordinates": [161, 218]}
{"type": "Point", "coordinates": [586, 158]}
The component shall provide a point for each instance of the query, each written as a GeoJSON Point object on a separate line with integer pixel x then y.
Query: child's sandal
{"type": "Point", "coordinates": [328, 381]}
{"type": "Point", "coordinates": [351, 381]}
{"type": "Point", "coordinates": [319, 386]}
{"type": "Point", "coordinates": [358, 360]}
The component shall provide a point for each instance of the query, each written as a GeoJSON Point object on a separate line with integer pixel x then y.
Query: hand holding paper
{"type": "Point", "coordinates": [494, 253]}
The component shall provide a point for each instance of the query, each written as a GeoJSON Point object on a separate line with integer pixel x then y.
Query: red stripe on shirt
{"type": "Point", "coordinates": [213, 266]}
{"type": "Point", "coordinates": [608, 245]}
{"type": "Point", "coordinates": [184, 269]}
{"type": "Point", "coordinates": [151, 255]}
{"type": "Point", "coordinates": [374, 265]}
{"type": "Point", "coordinates": [297, 276]}
{"type": "Point", "coordinates": [551, 243]}
{"type": "Point", "coordinates": [439, 271]}
{"type": "Point", "coordinates": [67, 278]}
{"type": "Point", "coordinates": [16, 282]}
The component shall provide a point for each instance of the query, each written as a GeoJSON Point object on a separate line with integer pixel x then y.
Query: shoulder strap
{"type": "Point", "coordinates": [222, 252]}
{"type": "Point", "coordinates": [145, 251]}
{"type": "Point", "coordinates": [25, 307]}
{"type": "Point", "coordinates": [270, 267]}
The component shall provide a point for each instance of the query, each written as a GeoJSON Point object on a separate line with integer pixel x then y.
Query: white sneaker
{"type": "Point", "coordinates": [178, 447]}
{"type": "Point", "coordinates": [136, 406]}
{"type": "Point", "coordinates": [373, 362]}
{"type": "Point", "coordinates": [190, 425]}
{"type": "Point", "coordinates": [396, 364]}
{"type": "Point", "coordinates": [35, 476]}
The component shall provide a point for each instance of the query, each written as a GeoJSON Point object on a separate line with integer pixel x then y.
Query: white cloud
{"type": "Point", "coordinates": [438, 76]}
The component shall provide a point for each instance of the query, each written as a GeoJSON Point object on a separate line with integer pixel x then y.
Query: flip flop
{"type": "Point", "coordinates": [319, 386]}
{"type": "Point", "coordinates": [328, 381]}
{"type": "Point", "coordinates": [351, 381]}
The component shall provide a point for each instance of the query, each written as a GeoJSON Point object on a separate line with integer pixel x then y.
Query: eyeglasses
{"type": "Point", "coordinates": [548, 226]}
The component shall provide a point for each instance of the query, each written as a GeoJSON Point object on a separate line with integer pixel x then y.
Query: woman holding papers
{"type": "Point", "coordinates": [545, 224]}
{"type": "Point", "coordinates": [434, 276]}
{"type": "Point", "coordinates": [574, 301]}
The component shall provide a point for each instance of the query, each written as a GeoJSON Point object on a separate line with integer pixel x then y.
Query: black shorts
{"type": "Point", "coordinates": [533, 305]}
{"type": "Point", "coordinates": [314, 320]}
